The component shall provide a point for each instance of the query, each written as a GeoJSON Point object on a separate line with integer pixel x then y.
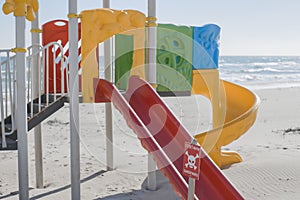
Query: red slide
{"type": "Point", "coordinates": [164, 137]}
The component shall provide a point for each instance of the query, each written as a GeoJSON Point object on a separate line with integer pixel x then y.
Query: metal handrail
{"type": "Point", "coordinates": [9, 95]}
{"type": "Point", "coordinates": [7, 83]}
{"type": "Point", "coordinates": [54, 46]}
{"type": "Point", "coordinates": [30, 76]}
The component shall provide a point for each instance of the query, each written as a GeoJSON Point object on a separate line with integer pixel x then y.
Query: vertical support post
{"type": "Point", "coordinates": [109, 137]}
{"type": "Point", "coordinates": [151, 75]}
{"type": "Point", "coordinates": [151, 43]}
{"type": "Point", "coordinates": [191, 191]}
{"type": "Point", "coordinates": [35, 39]}
{"type": "Point", "coordinates": [151, 174]}
{"type": "Point", "coordinates": [21, 122]}
{"type": "Point", "coordinates": [216, 102]}
{"type": "Point", "coordinates": [218, 113]}
{"type": "Point", "coordinates": [108, 106]}
{"type": "Point", "coordinates": [74, 101]}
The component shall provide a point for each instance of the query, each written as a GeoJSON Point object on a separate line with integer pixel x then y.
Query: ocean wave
{"type": "Point", "coordinates": [264, 64]}
{"type": "Point", "coordinates": [252, 70]}
{"type": "Point", "coordinates": [271, 70]}
{"type": "Point", "coordinates": [231, 64]}
{"type": "Point", "coordinates": [259, 79]}
{"type": "Point", "coordinates": [268, 69]}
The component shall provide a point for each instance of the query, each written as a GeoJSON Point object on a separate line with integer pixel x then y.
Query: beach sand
{"type": "Point", "coordinates": [270, 169]}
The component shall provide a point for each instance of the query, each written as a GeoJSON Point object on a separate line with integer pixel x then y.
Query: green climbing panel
{"type": "Point", "coordinates": [174, 58]}
{"type": "Point", "coordinates": [123, 60]}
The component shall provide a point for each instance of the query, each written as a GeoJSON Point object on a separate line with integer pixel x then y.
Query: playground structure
{"type": "Point", "coordinates": [234, 108]}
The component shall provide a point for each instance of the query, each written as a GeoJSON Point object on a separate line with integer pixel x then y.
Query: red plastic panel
{"type": "Point", "coordinates": [56, 31]}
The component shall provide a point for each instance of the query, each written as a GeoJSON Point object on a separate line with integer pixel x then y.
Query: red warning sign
{"type": "Point", "coordinates": [191, 161]}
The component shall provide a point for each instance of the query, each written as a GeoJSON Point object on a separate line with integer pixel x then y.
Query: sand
{"type": "Point", "coordinates": [270, 149]}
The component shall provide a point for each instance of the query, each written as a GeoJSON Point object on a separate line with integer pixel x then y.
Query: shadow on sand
{"type": "Point", "coordinates": [164, 191]}
{"type": "Point", "coordinates": [56, 190]}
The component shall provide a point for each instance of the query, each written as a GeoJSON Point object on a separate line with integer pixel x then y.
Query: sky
{"type": "Point", "coordinates": [248, 27]}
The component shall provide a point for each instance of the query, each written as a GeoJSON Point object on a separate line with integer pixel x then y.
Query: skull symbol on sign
{"type": "Point", "coordinates": [191, 160]}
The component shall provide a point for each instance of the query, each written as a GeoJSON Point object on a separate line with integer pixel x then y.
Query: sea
{"type": "Point", "coordinates": [261, 72]}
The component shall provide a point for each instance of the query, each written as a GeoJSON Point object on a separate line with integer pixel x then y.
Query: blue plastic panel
{"type": "Point", "coordinates": [206, 47]}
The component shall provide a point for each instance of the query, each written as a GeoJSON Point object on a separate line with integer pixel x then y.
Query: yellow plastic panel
{"type": "Point", "coordinates": [26, 8]}
{"type": "Point", "coordinates": [91, 71]}
{"type": "Point", "coordinates": [100, 24]}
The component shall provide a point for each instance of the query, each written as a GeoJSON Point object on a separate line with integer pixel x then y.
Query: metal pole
{"type": "Point", "coordinates": [151, 43]}
{"type": "Point", "coordinates": [191, 191]}
{"type": "Point", "coordinates": [106, 3]}
{"type": "Point", "coordinates": [108, 107]}
{"type": "Point", "coordinates": [151, 76]}
{"type": "Point", "coordinates": [74, 100]}
{"type": "Point", "coordinates": [35, 38]}
{"type": "Point", "coordinates": [151, 174]}
{"type": "Point", "coordinates": [21, 122]}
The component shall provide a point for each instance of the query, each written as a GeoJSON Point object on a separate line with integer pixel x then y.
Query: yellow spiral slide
{"type": "Point", "coordinates": [237, 111]}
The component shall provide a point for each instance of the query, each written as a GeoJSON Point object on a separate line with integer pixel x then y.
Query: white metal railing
{"type": "Point", "coordinates": [31, 76]}
{"type": "Point", "coordinates": [55, 47]}
{"type": "Point", "coordinates": [43, 68]}
{"type": "Point", "coordinates": [7, 94]}
{"type": "Point", "coordinates": [8, 78]}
